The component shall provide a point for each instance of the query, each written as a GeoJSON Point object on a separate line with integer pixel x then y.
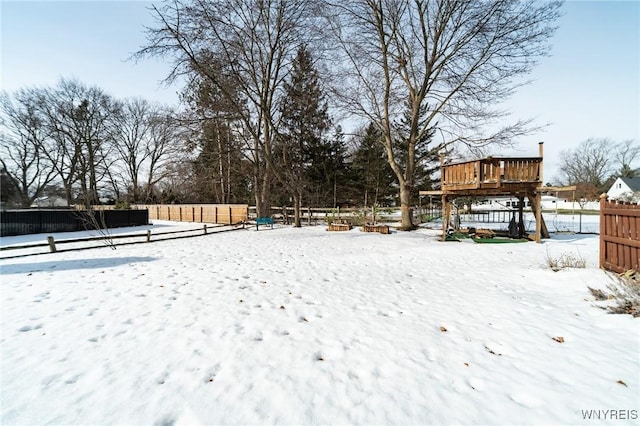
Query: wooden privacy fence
{"type": "Point", "coordinates": [206, 213]}
{"type": "Point", "coordinates": [619, 235]}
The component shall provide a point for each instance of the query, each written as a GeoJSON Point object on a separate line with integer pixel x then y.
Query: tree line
{"type": "Point", "coordinates": [82, 145]}
{"type": "Point", "coordinates": [267, 85]}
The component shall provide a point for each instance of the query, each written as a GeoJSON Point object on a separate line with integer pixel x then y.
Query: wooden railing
{"type": "Point", "coordinates": [619, 235]}
{"type": "Point", "coordinates": [490, 173]}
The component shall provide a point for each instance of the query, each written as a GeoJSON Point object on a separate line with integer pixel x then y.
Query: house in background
{"type": "Point", "coordinates": [547, 202]}
{"type": "Point", "coordinates": [625, 189]}
{"type": "Point", "coordinates": [49, 201]}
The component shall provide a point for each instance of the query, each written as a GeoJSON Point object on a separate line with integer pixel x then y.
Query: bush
{"type": "Point", "coordinates": [122, 205]}
{"type": "Point", "coordinates": [566, 260]}
{"type": "Point", "coordinates": [624, 291]}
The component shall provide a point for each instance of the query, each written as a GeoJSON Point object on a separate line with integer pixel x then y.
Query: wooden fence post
{"type": "Point", "coordinates": [603, 230]}
{"type": "Point", "coordinates": [148, 235]}
{"type": "Point", "coordinates": [205, 229]}
{"type": "Point", "coordinates": [309, 212]}
{"type": "Point", "coordinates": [230, 215]}
{"type": "Point", "coordinates": [52, 244]}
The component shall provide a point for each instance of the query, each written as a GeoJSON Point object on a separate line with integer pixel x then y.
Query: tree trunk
{"type": "Point", "coordinates": [297, 222]}
{"type": "Point", "coordinates": [405, 205]}
{"type": "Point", "coordinates": [263, 194]}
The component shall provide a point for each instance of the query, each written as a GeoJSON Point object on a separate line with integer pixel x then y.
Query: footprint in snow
{"type": "Point", "coordinates": [211, 374]}
{"type": "Point", "coordinates": [168, 420]}
{"type": "Point", "coordinates": [26, 328]}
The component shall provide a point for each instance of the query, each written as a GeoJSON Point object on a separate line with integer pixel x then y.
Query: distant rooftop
{"type": "Point", "coordinates": [632, 182]}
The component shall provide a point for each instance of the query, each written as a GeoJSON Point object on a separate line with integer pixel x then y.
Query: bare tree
{"type": "Point", "coordinates": [130, 133]}
{"type": "Point", "coordinates": [626, 154]}
{"type": "Point", "coordinates": [78, 119]}
{"type": "Point", "coordinates": [22, 137]}
{"type": "Point", "coordinates": [589, 163]}
{"type": "Point", "coordinates": [441, 66]}
{"type": "Point", "coordinates": [144, 137]}
{"type": "Point", "coordinates": [165, 149]}
{"type": "Point", "coordinates": [247, 42]}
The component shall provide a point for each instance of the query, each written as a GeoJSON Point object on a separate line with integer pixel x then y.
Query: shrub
{"type": "Point", "coordinates": [122, 205]}
{"type": "Point", "coordinates": [566, 260]}
{"type": "Point", "coordinates": [624, 291]}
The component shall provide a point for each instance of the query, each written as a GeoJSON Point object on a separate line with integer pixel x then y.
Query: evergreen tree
{"type": "Point", "coordinates": [219, 168]}
{"type": "Point", "coordinates": [371, 173]}
{"type": "Point", "coordinates": [327, 170]}
{"type": "Point", "coordinates": [305, 120]}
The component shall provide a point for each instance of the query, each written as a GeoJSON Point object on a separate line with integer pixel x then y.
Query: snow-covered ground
{"type": "Point", "coordinates": [304, 326]}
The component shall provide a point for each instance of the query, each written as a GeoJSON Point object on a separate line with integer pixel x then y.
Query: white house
{"type": "Point", "coordinates": [625, 189]}
{"type": "Point", "coordinates": [49, 201]}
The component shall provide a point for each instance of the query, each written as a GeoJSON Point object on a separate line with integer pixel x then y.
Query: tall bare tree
{"type": "Point", "coordinates": [145, 136]}
{"type": "Point", "coordinates": [249, 43]}
{"type": "Point", "coordinates": [131, 132]}
{"type": "Point", "coordinates": [22, 137]}
{"type": "Point", "coordinates": [627, 153]}
{"type": "Point", "coordinates": [165, 148]}
{"type": "Point", "coordinates": [78, 118]}
{"type": "Point", "coordinates": [589, 163]}
{"type": "Point", "coordinates": [442, 65]}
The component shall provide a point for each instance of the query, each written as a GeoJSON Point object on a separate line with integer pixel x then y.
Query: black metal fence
{"type": "Point", "coordinates": [21, 222]}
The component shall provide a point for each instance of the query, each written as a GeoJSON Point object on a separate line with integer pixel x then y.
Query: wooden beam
{"type": "Point", "coordinates": [558, 188]}
{"type": "Point", "coordinates": [438, 192]}
{"type": "Point", "coordinates": [446, 212]}
{"type": "Point", "coordinates": [520, 216]}
{"type": "Point", "coordinates": [536, 206]}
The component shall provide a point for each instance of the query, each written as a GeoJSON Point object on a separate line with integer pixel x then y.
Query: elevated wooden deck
{"type": "Point", "coordinates": [492, 176]}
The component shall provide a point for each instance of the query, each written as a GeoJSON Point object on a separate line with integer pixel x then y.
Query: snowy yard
{"type": "Point", "coordinates": [303, 326]}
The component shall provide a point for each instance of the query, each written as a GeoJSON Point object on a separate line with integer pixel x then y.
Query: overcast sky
{"type": "Point", "coordinates": [589, 87]}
